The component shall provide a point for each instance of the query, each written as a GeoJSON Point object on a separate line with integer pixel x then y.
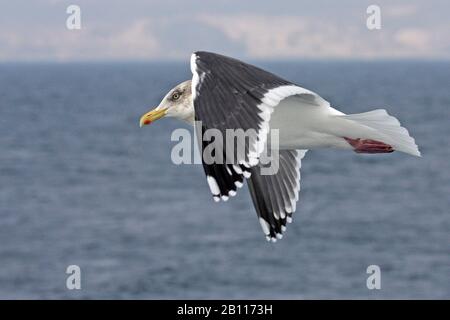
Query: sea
{"type": "Point", "coordinates": [82, 185]}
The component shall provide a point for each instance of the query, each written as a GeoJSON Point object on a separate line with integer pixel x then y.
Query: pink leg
{"type": "Point", "coordinates": [369, 146]}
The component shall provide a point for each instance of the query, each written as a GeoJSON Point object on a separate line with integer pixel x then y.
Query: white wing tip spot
{"type": "Point", "coordinates": [213, 186]}
{"type": "Point", "coordinates": [265, 226]}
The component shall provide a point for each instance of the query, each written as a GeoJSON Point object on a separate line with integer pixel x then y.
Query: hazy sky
{"type": "Point", "coordinates": [33, 30]}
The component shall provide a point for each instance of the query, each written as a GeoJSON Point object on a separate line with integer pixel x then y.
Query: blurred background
{"type": "Point", "coordinates": [81, 184]}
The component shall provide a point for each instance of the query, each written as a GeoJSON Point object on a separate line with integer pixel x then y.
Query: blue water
{"type": "Point", "coordinates": [81, 184]}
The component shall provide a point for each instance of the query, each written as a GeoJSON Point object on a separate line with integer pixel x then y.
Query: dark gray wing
{"type": "Point", "coordinates": [275, 196]}
{"type": "Point", "coordinates": [230, 94]}
{"type": "Point", "coordinates": [223, 179]}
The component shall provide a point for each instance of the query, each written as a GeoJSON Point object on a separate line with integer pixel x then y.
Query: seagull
{"type": "Point", "coordinates": [228, 94]}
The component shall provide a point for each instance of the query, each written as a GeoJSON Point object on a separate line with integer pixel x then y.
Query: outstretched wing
{"type": "Point", "coordinates": [230, 94]}
{"type": "Point", "coordinates": [275, 196]}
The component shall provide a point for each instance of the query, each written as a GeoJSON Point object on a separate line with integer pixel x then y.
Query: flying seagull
{"type": "Point", "coordinates": [226, 93]}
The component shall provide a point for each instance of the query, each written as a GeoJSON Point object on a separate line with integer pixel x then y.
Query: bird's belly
{"type": "Point", "coordinates": [303, 126]}
{"type": "Point", "coordinates": [306, 140]}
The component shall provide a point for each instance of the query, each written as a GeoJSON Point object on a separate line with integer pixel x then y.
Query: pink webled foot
{"type": "Point", "coordinates": [369, 146]}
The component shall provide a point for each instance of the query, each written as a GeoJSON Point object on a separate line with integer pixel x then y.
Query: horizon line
{"type": "Point", "coordinates": [269, 60]}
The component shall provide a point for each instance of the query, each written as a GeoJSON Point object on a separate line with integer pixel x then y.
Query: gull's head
{"type": "Point", "coordinates": [177, 104]}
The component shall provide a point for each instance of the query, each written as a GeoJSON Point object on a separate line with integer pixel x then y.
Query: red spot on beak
{"type": "Point", "coordinates": [147, 121]}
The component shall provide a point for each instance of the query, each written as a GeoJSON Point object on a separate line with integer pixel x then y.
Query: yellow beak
{"type": "Point", "coordinates": [151, 116]}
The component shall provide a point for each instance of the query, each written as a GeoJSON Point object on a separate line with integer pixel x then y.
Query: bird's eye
{"type": "Point", "coordinates": [175, 96]}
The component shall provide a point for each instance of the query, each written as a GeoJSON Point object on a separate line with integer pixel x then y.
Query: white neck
{"type": "Point", "coordinates": [190, 119]}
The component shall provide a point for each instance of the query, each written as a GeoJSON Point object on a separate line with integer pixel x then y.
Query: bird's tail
{"type": "Point", "coordinates": [379, 126]}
